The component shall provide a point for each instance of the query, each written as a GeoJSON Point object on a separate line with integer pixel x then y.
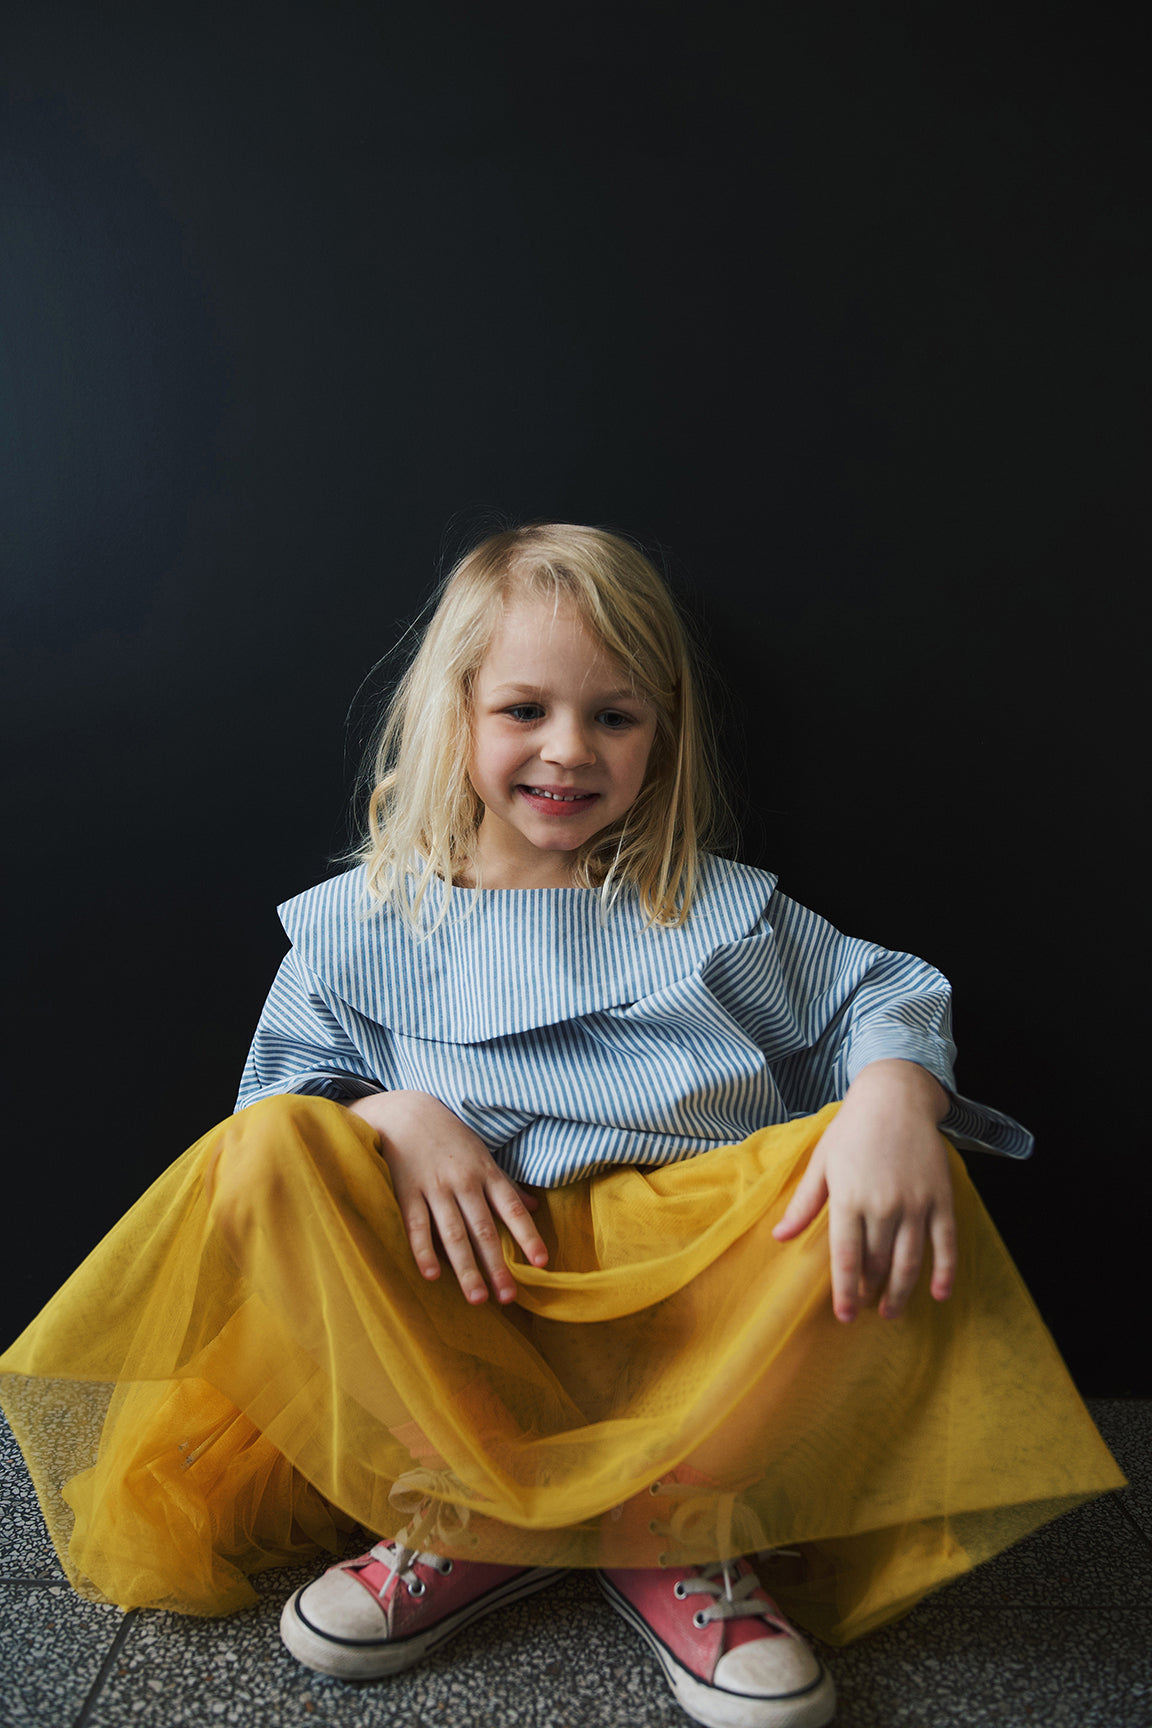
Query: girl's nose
{"type": "Point", "coordinates": [568, 744]}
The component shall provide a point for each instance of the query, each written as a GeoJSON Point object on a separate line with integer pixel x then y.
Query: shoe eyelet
{"type": "Point", "coordinates": [443, 1567]}
{"type": "Point", "coordinates": [699, 1620]}
{"type": "Point", "coordinates": [679, 1591]}
{"type": "Point", "coordinates": [654, 1487]}
{"type": "Point", "coordinates": [416, 1587]}
{"type": "Point", "coordinates": [652, 1526]}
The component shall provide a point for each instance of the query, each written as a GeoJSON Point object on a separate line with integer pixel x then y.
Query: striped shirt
{"type": "Point", "coordinates": [570, 1040]}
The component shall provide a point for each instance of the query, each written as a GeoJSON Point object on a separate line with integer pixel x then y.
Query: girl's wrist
{"type": "Point", "coordinates": [896, 1081]}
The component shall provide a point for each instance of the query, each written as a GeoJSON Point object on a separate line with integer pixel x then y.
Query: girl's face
{"type": "Point", "coordinates": [560, 744]}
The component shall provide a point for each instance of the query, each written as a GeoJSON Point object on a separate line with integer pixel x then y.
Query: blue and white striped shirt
{"type": "Point", "coordinates": [570, 1041]}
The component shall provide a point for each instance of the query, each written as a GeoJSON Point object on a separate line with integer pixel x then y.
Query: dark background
{"type": "Point", "coordinates": [843, 308]}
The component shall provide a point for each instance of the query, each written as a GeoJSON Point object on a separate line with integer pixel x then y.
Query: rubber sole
{"type": "Point", "coordinates": [373, 1658]}
{"type": "Point", "coordinates": [813, 1707]}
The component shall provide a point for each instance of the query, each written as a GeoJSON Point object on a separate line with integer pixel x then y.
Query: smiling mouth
{"type": "Point", "coordinates": [557, 797]}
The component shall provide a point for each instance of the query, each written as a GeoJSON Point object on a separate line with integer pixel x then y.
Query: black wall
{"type": "Point", "coordinates": [845, 308]}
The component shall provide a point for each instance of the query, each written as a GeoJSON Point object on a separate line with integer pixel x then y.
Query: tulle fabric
{"type": "Point", "coordinates": [249, 1366]}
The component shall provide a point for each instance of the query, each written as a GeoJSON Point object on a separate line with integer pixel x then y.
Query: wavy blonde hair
{"type": "Point", "coordinates": [423, 813]}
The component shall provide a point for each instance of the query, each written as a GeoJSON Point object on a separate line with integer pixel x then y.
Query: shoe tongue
{"type": "Point", "coordinates": [382, 1577]}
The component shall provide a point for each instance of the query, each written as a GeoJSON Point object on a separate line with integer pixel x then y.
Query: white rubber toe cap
{"type": "Point", "coordinates": [768, 1668]}
{"type": "Point", "coordinates": [335, 1604]}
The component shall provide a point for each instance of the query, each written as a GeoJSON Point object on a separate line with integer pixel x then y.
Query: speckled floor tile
{"type": "Point", "coordinates": [1090, 1558]}
{"type": "Point", "coordinates": [1126, 1424]}
{"type": "Point", "coordinates": [999, 1668]}
{"type": "Point", "coordinates": [52, 1645]}
{"type": "Point", "coordinates": [25, 1551]}
{"type": "Point", "coordinates": [560, 1660]}
{"type": "Point", "coordinates": [1058, 1631]}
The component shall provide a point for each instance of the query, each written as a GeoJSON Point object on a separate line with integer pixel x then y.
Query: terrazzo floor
{"type": "Point", "coordinates": [1056, 1632]}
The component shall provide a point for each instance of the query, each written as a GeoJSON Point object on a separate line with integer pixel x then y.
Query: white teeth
{"type": "Point", "coordinates": [559, 797]}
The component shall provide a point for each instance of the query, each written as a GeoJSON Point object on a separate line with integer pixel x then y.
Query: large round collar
{"type": "Point", "coordinates": [505, 961]}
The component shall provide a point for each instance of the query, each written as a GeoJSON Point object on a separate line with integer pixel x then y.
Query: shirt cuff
{"type": "Point", "coordinates": [881, 1043]}
{"type": "Point", "coordinates": [971, 1127]}
{"type": "Point", "coordinates": [318, 1083]}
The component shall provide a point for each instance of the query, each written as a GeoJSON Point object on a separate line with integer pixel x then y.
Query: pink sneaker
{"type": "Point", "coordinates": [388, 1608]}
{"type": "Point", "coordinates": [731, 1658]}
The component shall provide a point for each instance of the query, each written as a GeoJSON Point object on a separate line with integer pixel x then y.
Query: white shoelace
{"type": "Point", "coordinates": [424, 1497]}
{"type": "Point", "coordinates": [701, 1516]}
{"type": "Point", "coordinates": [402, 1563]}
{"type": "Point", "coordinates": [728, 1595]}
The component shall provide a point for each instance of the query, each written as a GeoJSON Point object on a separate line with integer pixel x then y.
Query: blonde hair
{"type": "Point", "coordinates": [423, 813]}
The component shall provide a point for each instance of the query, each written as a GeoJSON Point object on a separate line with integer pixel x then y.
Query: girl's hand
{"type": "Point", "coordinates": [445, 1179]}
{"type": "Point", "coordinates": [882, 1167]}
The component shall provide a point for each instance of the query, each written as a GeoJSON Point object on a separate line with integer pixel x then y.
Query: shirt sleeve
{"type": "Point", "coordinates": [856, 1003]}
{"type": "Point", "coordinates": [300, 1046]}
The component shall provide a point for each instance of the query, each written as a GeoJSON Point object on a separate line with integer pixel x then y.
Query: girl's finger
{"type": "Point", "coordinates": [876, 1262]}
{"type": "Point", "coordinates": [486, 1243]}
{"type": "Point", "coordinates": [456, 1241]}
{"type": "Point", "coordinates": [416, 1223]}
{"type": "Point", "coordinates": [907, 1256]}
{"type": "Point", "coordinates": [810, 1194]}
{"type": "Point", "coordinates": [846, 1250]}
{"type": "Point", "coordinates": [510, 1203]}
{"type": "Point", "coordinates": [942, 1235]}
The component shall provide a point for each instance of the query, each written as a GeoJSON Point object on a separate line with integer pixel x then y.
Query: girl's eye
{"type": "Point", "coordinates": [528, 713]}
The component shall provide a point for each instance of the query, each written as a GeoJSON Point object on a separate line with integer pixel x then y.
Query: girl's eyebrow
{"type": "Point", "coordinates": [624, 694]}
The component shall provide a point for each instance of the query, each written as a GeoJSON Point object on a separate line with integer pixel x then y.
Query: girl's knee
{"type": "Point", "coordinates": [257, 1147]}
{"type": "Point", "coordinates": [278, 1149]}
{"type": "Point", "coordinates": [288, 1113]}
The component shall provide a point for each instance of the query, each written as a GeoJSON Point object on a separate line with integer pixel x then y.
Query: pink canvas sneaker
{"type": "Point", "coordinates": [385, 1610]}
{"type": "Point", "coordinates": [731, 1658]}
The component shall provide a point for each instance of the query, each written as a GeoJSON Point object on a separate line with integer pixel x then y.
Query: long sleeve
{"type": "Point", "coordinates": [300, 1046]}
{"type": "Point", "coordinates": [570, 1041]}
{"type": "Point", "coordinates": [850, 1003]}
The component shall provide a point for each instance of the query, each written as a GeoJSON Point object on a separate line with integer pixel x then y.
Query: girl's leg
{"type": "Point", "coordinates": [728, 1653]}
{"type": "Point", "coordinates": [386, 1609]}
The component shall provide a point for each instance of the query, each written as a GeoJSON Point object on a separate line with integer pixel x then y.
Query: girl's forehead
{"type": "Point", "coordinates": [541, 628]}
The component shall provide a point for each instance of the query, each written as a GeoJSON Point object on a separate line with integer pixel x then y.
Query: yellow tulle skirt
{"type": "Point", "coordinates": [250, 1366]}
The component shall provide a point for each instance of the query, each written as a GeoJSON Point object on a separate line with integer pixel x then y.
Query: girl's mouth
{"type": "Point", "coordinates": [556, 802]}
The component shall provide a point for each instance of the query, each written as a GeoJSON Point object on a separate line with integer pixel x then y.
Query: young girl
{"type": "Point", "coordinates": [587, 1204]}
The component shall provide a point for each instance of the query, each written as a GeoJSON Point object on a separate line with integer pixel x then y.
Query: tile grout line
{"type": "Point", "coordinates": [1134, 1521]}
{"type": "Point", "coordinates": [105, 1667]}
